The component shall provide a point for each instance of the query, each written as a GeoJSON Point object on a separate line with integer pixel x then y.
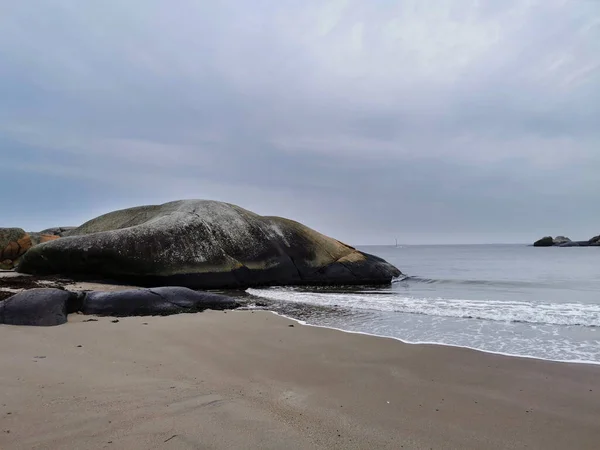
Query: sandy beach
{"type": "Point", "coordinates": [251, 380]}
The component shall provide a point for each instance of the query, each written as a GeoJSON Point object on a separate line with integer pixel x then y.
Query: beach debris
{"type": "Point", "coordinates": [174, 436]}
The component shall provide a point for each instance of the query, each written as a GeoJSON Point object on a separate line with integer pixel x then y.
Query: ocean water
{"type": "Point", "coordinates": [510, 299]}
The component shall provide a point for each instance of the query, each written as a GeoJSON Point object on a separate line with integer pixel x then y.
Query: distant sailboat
{"type": "Point", "coordinates": [397, 243]}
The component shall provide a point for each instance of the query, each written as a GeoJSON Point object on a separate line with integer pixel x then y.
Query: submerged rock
{"type": "Point", "coordinates": [204, 244]}
{"type": "Point", "coordinates": [36, 307]}
{"type": "Point", "coordinates": [155, 301]}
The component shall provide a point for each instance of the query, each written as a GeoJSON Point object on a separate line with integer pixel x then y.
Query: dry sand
{"type": "Point", "coordinates": [243, 380]}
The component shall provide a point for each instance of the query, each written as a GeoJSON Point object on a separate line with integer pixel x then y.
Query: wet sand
{"type": "Point", "coordinates": [249, 380]}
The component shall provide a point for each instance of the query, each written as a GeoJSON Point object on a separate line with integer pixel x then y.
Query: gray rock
{"type": "Point", "coordinates": [155, 301]}
{"type": "Point", "coordinates": [37, 307]}
{"type": "Point", "coordinates": [547, 241]}
{"type": "Point", "coordinates": [558, 240]}
{"type": "Point", "coordinates": [203, 244]}
{"type": "Point", "coordinates": [575, 244]}
{"type": "Point", "coordinates": [595, 241]}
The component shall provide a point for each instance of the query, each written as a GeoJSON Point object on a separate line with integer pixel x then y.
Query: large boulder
{"type": "Point", "coordinates": [547, 241]}
{"type": "Point", "coordinates": [37, 307]}
{"type": "Point", "coordinates": [14, 242]}
{"type": "Point", "coordinates": [204, 244]}
{"type": "Point", "coordinates": [155, 301]}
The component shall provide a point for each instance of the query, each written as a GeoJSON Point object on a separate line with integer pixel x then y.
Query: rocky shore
{"type": "Point", "coordinates": [169, 249]}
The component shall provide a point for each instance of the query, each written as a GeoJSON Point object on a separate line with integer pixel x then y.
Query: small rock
{"type": "Point", "coordinates": [90, 320]}
{"type": "Point", "coordinates": [80, 346]}
{"type": "Point", "coordinates": [291, 325]}
{"type": "Point", "coordinates": [115, 321]}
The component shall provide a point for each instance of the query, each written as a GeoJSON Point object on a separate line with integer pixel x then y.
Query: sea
{"type": "Point", "coordinates": [508, 299]}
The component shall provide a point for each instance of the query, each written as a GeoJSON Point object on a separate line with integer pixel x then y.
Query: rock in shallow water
{"type": "Point", "coordinates": [204, 244]}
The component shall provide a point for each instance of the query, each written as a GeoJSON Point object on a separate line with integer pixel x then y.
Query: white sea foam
{"type": "Point", "coordinates": [587, 315]}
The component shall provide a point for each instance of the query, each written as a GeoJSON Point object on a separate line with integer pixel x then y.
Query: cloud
{"type": "Point", "coordinates": [409, 117]}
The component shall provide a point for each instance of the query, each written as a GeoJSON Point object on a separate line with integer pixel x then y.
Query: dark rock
{"type": "Point", "coordinates": [154, 301]}
{"type": "Point", "coordinates": [37, 307]}
{"type": "Point", "coordinates": [547, 241]}
{"type": "Point", "coordinates": [203, 244]}
{"type": "Point", "coordinates": [595, 241]}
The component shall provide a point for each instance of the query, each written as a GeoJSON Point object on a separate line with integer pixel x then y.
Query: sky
{"type": "Point", "coordinates": [426, 121]}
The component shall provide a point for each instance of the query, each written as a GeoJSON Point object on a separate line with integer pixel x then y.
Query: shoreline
{"type": "Point", "coordinates": [440, 344]}
{"type": "Point", "coordinates": [280, 308]}
{"type": "Point", "coordinates": [254, 379]}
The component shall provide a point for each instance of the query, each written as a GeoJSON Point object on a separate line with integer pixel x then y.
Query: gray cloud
{"type": "Point", "coordinates": [427, 121]}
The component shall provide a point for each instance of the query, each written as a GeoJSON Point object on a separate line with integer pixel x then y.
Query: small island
{"type": "Point", "coordinates": [562, 241]}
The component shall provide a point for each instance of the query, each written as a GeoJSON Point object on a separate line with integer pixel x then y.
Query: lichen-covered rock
{"type": "Point", "coordinates": [40, 238]}
{"type": "Point", "coordinates": [14, 242]}
{"type": "Point", "coordinates": [204, 244]}
{"type": "Point", "coordinates": [155, 301]}
{"type": "Point", "coordinates": [36, 307]}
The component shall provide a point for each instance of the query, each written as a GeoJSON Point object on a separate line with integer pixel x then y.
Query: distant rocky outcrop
{"type": "Point", "coordinates": [547, 241]}
{"type": "Point", "coordinates": [203, 244]}
{"type": "Point", "coordinates": [50, 307]}
{"type": "Point", "coordinates": [562, 241]}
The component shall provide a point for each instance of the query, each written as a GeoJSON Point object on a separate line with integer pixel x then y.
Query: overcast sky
{"type": "Point", "coordinates": [426, 121]}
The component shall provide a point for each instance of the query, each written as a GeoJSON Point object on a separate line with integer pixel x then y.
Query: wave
{"type": "Point", "coordinates": [567, 314]}
{"type": "Point", "coordinates": [463, 282]}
